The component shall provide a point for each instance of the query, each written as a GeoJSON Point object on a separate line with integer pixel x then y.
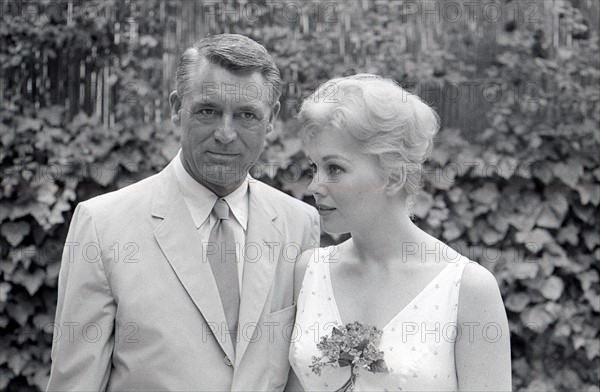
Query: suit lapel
{"type": "Point", "coordinates": [179, 241]}
{"type": "Point", "coordinates": [264, 242]}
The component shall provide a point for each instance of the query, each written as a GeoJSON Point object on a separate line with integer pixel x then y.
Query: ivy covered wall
{"type": "Point", "coordinates": [512, 182]}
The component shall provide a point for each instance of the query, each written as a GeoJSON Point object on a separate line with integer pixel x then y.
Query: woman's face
{"type": "Point", "coordinates": [348, 185]}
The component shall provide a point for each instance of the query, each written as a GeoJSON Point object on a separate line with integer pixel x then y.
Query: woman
{"type": "Point", "coordinates": [444, 327]}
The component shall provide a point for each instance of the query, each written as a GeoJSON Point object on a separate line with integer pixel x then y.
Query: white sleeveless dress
{"type": "Point", "coordinates": [418, 343]}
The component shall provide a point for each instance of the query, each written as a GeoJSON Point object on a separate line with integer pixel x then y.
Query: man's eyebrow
{"type": "Point", "coordinates": [202, 101]}
{"type": "Point", "coordinates": [250, 106]}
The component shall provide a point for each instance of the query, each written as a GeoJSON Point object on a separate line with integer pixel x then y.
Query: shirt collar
{"type": "Point", "coordinates": [200, 200]}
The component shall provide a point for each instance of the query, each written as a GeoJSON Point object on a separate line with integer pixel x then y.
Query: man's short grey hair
{"type": "Point", "coordinates": [234, 53]}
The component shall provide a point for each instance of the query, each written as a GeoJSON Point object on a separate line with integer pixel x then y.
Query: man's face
{"type": "Point", "coordinates": [224, 119]}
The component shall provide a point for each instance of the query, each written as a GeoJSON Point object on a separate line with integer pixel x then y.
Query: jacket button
{"type": "Point", "coordinates": [227, 361]}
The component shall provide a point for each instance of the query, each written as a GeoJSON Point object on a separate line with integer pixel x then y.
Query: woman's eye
{"type": "Point", "coordinates": [333, 170]}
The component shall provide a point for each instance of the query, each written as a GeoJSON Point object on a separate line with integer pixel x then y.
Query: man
{"type": "Point", "coordinates": [153, 290]}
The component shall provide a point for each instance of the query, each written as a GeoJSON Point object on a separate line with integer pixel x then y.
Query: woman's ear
{"type": "Point", "coordinates": [175, 103]}
{"type": "Point", "coordinates": [396, 181]}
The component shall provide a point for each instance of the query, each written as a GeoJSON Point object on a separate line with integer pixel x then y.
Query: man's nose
{"type": "Point", "coordinates": [225, 132]}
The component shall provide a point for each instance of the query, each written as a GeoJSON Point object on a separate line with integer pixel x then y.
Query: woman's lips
{"type": "Point", "coordinates": [325, 210]}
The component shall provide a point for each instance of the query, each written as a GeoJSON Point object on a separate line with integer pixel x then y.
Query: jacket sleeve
{"type": "Point", "coordinates": [84, 326]}
{"type": "Point", "coordinates": [314, 238]}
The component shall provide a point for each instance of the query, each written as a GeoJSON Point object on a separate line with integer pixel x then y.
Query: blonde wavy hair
{"type": "Point", "coordinates": [388, 122]}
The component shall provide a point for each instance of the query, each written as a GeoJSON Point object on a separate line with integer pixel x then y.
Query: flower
{"type": "Point", "coordinates": [354, 346]}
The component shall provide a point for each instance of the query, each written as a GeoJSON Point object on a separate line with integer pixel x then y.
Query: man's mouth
{"type": "Point", "coordinates": [225, 154]}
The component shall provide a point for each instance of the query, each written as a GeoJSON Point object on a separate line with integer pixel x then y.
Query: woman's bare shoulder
{"type": "Point", "coordinates": [479, 298]}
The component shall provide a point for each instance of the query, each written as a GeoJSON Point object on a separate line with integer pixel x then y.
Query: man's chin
{"type": "Point", "coordinates": [223, 173]}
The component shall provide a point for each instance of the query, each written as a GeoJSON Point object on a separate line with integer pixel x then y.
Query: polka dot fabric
{"type": "Point", "coordinates": [418, 342]}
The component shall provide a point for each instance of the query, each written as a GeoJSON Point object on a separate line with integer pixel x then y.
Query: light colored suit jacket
{"type": "Point", "coordinates": [139, 310]}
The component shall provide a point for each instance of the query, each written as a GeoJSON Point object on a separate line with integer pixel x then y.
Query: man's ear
{"type": "Point", "coordinates": [175, 103]}
{"type": "Point", "coordinates": [396, 181]}
{"type": "Point", "coordinates": [273, 116]}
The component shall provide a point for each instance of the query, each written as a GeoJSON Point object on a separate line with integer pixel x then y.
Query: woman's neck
{"type": "Point", "coordinates": [388, 237]}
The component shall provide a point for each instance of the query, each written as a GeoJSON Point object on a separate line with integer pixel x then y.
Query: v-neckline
{"type": "Point", "coordinates": [337, 310]}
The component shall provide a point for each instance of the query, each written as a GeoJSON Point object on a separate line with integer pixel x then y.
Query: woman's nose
{"type": "Point", "coordinates": [316, 187]}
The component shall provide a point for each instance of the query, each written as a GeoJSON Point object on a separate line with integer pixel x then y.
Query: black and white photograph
{"type": "Point", "coordinates": [300, 196]}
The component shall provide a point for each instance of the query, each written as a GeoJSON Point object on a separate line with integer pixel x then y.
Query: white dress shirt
{"type": "Point", "coordinates": [200, 202]}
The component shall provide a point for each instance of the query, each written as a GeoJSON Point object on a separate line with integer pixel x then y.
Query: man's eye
{"type": "Point", "coordinates": [248, 115]}
{"type": "Point", "coordinates": [207, 112]}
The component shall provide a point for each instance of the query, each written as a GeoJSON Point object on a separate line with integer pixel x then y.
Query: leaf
{"type": "Point", "coordinates": [517, 302]}
{"type": "Point", "coordinates": [169, 148]}
{"type": "Point", "coordinates": [346, 357]}
{"type": "Point", "coordinates": [543, 173]}
{"type": "Point", "coordinates": [344, 363]}
{"type": "Point", "coordinates": [16, 361]}
{"type": "Point", "coordinates": [591, 239]}
{"type": "Point", "coordinates": [589, 193]}
{"type": "Point", "coordinates": [536, 319]}
{"type": "Point", "coordinates": [20, 312]}
{"type": "Point", "coordinates": [536, 237]}
{"type": "Point", "coordinates": [56, 215]}
{"type": "Point", "coordinates": [548, 218]}
{"type": "Point", "coordinates": [148, 40]}
{"type": "Point", "coordinates": [569, 234]}
{"type": "Point", "coordinates": [588, 278]}
{"type": "Point", "coordinates": [553, 288]}
{"type": "Point", "coordinates": [491, 236]}
{"type": "Point", "coordinates": [451, 230]}
{"type": "Point", "coordinates": [500, 221]}
{"type": "Point", "coordinates": [41, 379]}
{"type": "Point", "coordinates": [546, 267]}
{"type": "Point", "coordinates": [26, 124]}
{"type": "Point", "coordinates": [585, 213]}
{"type": "Point", "coordinates": [379, 366]}
{"type": "Point", "coordinates": [558, 202]}
{"type": "Point", "coordinates": [5, 377]}
{"type": "Point", "coordinates": [31, 281]}
{"type": "Point", "coordinates": [297, 187]}
{"type": "Point", "coordinates": [14, 232]}
{"type": "Point", "coordinates": [52, 115]}
{"type": "Point", "coordinates": [46, 192]}
{"type": "Point", "coordinates": [487, 194]}
{"type": "Point", "coordinates": [423, 203]}
{"type": "Point", "coordinates": [40, 212]}
{"type": "Point", "coordinates": [442, 182]}
{"type": "Point", "coordinates": [578, 342]}
{"type": "Point", "coordinates": [528, 203]}
{"type": "Point", "coordinates": [523, 221]}
{"type": "Point", "coordinates": [507, 167]}
{"type": "Point", "coordinates": [539, 384]}
{"type": "Point", "coordinates": [362, 345]}
{"type": "Point", "coordinates": [455, 194]}
{"type": "Point", "coordinates": [291, 147]}
{"type": "Point", "coordinates": [593, 298]}
{"type": "Point", "coordinates": [569, 172]}
{"type": "Point", "coordinates": [524, 270]}
{"type": "Point", "coordinates": [336, 331]}
{"type": "Point", "coordinates": [592, 348]}
{"type": "Point", "coordinates": [4, 290]}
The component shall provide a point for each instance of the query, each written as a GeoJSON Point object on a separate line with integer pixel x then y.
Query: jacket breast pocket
{"type": "Point", "coordinates": [281, 323]}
